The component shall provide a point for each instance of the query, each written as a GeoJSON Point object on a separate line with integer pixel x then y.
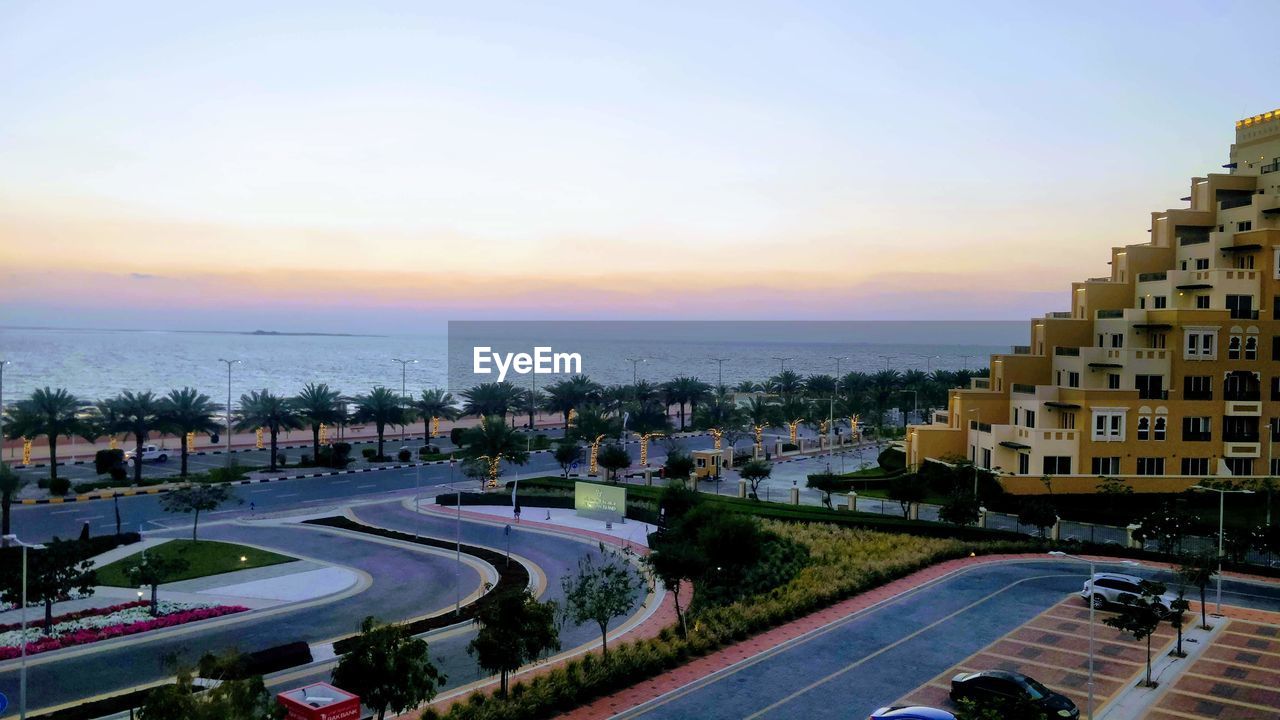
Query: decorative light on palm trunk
{"type": "Point", "coordinates": [258, 437]}
{"type": "Point", "coordinates": [794, 425]}
{"type": "Point", "coordinates": [573, 414]}
{"type": "Point", "coordinates": [494, 462]}
{"type": "Point", "coordinates": [822, 427]}
{"type": "Point", "coordinates": [715, 435]}
{"type": "Point", "coordinates": [26, 451]}
{"type": "Point", "coordinates": [324, 434]}
{"type": "Point", "coordinates": [759, 438]}
{"type": "Point", "coordinates": [435, 427]}
{"type": "Point", "coordinates": [595, 452]}
{"type": "Point", "coordinates": [644, 447]}
{"type": "Point", "coordinates": [113, 444]}
{"type": "Point", "coordinates": [853, 424]}
{"type": "Point", "coordinates": [191, 440]}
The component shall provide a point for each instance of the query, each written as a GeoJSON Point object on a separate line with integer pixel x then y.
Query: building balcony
{"type": "Point", "coordinates": [1242, 450]}
{"type": "Point", "coordinates": [1240, 436]}
{"type": "Point", "coordinates": [1021, 349]}
{"type": "Point", "coordinates": [1244, 409]}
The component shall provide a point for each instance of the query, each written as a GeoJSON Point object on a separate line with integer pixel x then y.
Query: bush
{"type": "Point", "coordinates": [281, 459]}
{"type": "Point", "coordinates": [427, 450]}
{"type": "Point", "coordinates": [104, 461]}
{"type": "Point", "coordinates": [59, 487]}
{"type": "Point", "coordinates": [336, 455]}
{"type": "Point", "coordinates": [404, 455]}
{"type": "Point", "coordinates": [305, 460]}
{"type": "Point", "coordinates": [119, 475]}
{"type": "Point", "coordinates": [455, 436]}
{"type": "Point", "coordinates": [789, 447]}
{"type": "Point", "coordinates": [369, 453]}
{"type": "Point", "coordinates": [892, 460]}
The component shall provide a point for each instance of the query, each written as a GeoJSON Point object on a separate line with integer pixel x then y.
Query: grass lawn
{"type": "Point", "coordinates": [930, 499]}
{"type": "Point", "coordinates": [206, 557]}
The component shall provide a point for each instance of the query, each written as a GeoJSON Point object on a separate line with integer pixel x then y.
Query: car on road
{"type": "Point", "coordinates": [150, 453]}
{"type": "Point", "coordinates": [1105, 589]}
{"type": "Point", "coordinates": [910, 712]}
{"type": "Point", "coordinates": [1011, 687]}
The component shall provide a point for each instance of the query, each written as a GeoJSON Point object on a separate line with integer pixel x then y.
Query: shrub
{"type": "Point", "coordinates": [104, 461]}
{"type": "Point", "coordinates": [119, 474]}
{"type": "Point", "coordinates": [59, 486]}
{"type": "Point", "coordinates": [455, 436]}
{"type": "Point", "coordinates": [892, 460]}
{"type": "Point", "coordinates": [404, 455]}
{"type": "Point", "coordinates": [305, 460]}
{"type": "Point", "coordinates": [789, 447]}
{"type": "Point", "coordinates": [369, 453]}
{"type": "Point", "coordinates": [281, 459]}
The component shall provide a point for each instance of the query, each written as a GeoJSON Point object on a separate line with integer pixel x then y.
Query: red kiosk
{"type": "Point", "coordinates": [320, 701]}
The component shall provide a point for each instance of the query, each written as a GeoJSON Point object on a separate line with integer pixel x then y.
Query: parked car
{"type": "Point", "coordinates": [1115, 589]}
{"type": "Point", "coordinates": [910, 712]}
{"type": "Point", "coordinates": [150, 453]}
{"type": "Point", "coordinates": [1014, 687]}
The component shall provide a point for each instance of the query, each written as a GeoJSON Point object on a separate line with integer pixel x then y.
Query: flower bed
{"type": "Point", "coordinates": [88, 626]}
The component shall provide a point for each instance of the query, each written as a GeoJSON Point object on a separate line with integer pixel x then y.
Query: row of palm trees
{"type": "Point", "coordinates": [56, 413]}
{"type": "Point", "coordinates": [588, 408]}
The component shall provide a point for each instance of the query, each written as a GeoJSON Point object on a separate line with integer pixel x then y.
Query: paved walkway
{"type": "Point", "coordinates": [634, 532]}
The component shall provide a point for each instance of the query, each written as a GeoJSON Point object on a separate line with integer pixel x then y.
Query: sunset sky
{"type": "Point", "coordinates": [300, 165]}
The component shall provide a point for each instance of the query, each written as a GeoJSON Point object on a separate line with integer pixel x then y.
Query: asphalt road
{"type": "Point", "coordinates": [869, 659]}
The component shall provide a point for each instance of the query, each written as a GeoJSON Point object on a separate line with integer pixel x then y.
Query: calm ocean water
{"type": "Point", "coordinates": [96, 364]}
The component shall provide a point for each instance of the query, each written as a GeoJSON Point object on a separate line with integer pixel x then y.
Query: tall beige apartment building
{"type": "Point", "coordinates": [1163, 372]}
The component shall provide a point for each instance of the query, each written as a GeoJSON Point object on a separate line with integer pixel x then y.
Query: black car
{"type": "Point", "coordinates": [1013, 689]}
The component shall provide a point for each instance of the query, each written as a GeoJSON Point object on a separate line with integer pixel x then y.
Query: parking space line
{"type": "Point", "coordinates": [1223, 700]}
{"type": "Point", "coordinates": [1229, 680]}
{"type": "Point", "coordinates": [1025, 661]}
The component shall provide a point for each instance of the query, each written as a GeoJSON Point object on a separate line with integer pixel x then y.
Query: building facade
{"type": "Point", "coordinates": [1163, 372]}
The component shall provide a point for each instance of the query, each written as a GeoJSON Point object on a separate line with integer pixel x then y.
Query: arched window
{"type": "Point", "coordinates": [1233, 348]}
{"type": "Point", "coordinates": [1160, 427]}
{"type": "Point", "coordinates": [1251, 348]}
{"type": "Point", "coordinates": [1144, 427]}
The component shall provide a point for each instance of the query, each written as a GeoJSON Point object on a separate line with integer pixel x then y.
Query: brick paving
{"type": "Point", "coordinates": [1236, 678]}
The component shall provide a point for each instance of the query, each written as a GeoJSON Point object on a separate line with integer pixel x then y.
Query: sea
{"type": "Point", "coordinates": [95, 364]}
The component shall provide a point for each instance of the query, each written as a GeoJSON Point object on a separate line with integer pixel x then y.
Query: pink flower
{"type": "Point", "coordinates": [91, 635]}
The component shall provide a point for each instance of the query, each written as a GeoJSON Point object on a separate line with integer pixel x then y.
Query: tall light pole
{"type": "Point", "coordinates": [966, 360]}
{"type": "Point", "coordinates": [404, 365]}
{"type": "Point", "coordinates": [229, 364]}
{"type": "Point", "coordinates": [831, 406]}
{"type": "Point", "coordinates": [22, 682]}
{"type": "Point", "coordinates": [634, 375]}
{"type": "Point", "coordinates": [928, 361]}
{"type": "Point", "coordinates": [2, 364]}
{"type": "Point", "coordinates": [1222, 496]}
{"type": "Point", "coordinates": [887, 361]}
{"type": "Point", "coordinates": [719, 372]}
{"type": "Point", "coordinates": [1059, 553]}
{"type": "Point", "coordinates": [782, 363]}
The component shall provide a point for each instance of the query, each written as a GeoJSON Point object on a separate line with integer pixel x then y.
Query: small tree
{"type": "Point", "coordinates": [908, 489]}
{"type": "Point", "coordinates": [514, 629]}
{"type": "Point", "coordinates": [755, 472]}
{"type": "Point", "coordinates": [153, 569]}
{"type": "Point", "coordinates": [1038, 514]}
{"type": "Point", "coordinates": [10, 484]}
{"type": "Point", "coordinates": [1177, 616]}
{"type": "Point", "coordinates": [566, 454]}
{"type": "Point", "coordinates": [388, 668]}
{"type": "Point", "coordinates": [245, 699]}
{"type": "Point", "coordinates": [960, 509]}
{"type": "Point", "coordinates": [1198, 570]}
{"type": "Point", "coordinates": [998, 709]}
{"type": "Point", "coordinates": [601, 591]}
{"type": "Point", "coordinates": [673, 560]}
{"type": "Point", "coordinates": [1166, 526]}
{"type": "Point", "coordinates": [196, 499]}
{"type": "Point", "coordinates": [677, 501]}
{"type": "Point", "coordinates": [613, 458]}
{"type": "Point", "coordinates": [1139, 617]}
{"type": "Point", "coordinates": [825, 483]}
{"type": "Point", "coordinates": [678, 466]}
{"type": "Point", "coordinates": [53, 574]}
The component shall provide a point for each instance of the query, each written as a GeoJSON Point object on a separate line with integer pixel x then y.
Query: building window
{"type": "Point", "coordinates": [1117, 340]}
{"type": "Point", "coordinates": [1150, 387]}
{"type": "Point", "coordinates": [1144, 427]}
{"type": "Point", "coordinates": [1106, 466]}
{"type": "Point", "coordinates": [1108, 425]}
{"type": "Point", "coordinates": [1113, 381]}
{"type": "Point", "coordinates": [1161, 423]}
{"type": "Point", "coordinates": [1030, 417]}
{"type": "Point", "coordinates": [1239, 466]}
{"type": "Point", "coordinates": [1158, 341]}
{"type": "Point", "coordinates": [1196, 429]}
{"type": "Point", "coordinates": [1275, 388]}
{"type": "Point", "coordinates": [1202, 302]}
{"type": "Point", "coordinates": [986, 458]}
{"type": "Point", "coordinates": [1201, 345]}
{"type": "Point", "coordinates": [1233, 348]}
{"type": "Point", "coordinates": [1275, 467]}
{"type": "Point", "coordinates": [1197, 387]}
{"type": "Point", "coordinates": [1275, 346]}
{"type": "Point", "coordinates": [1241, 385]}
{"type": "Point", "coordinates": [1240, 306]}
{"type": "Point", "coordinates": [1057, 464]}
{"type": "Point", "coordinates": [1251, 347]}
{"type": "Point", "coordinates": [1160, 302]}
{"type": "Point", "coordinates": [1202, 263]}
{"type": "Point", "coordinates": [1150, 466]}
{"type": "Point", "coordinates": [1068, 421]}
{"type": "Point", "coordinates": [1024, 464]}
{"type": "Point", "coordinates": [1195, 466]}
{"type": "Point", "coordinates": [1142, 303]}
{"type": "Point", "coordinates": [1244, 226]}
{"type": "Point", "coordinates": [1073, 379]}
{"type": "Point", "coordinates": [1239, 428]}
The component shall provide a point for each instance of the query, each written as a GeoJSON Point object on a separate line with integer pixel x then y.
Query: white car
{"type": "Point", "coordinates": [1115, 589]}
{"type": "Point", "coordinates": [150, 453]}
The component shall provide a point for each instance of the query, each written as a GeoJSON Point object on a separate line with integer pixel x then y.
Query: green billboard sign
{"type": "Point", "coordinates": [599, 501]}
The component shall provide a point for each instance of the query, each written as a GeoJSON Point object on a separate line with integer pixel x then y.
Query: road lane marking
{"type": "Point", "coordinates": [361, 487]}
{"type": "Point", "coordinates": [283, 495]}
{"type": "Point", "coordinates": [66, 512]}
{"type": "Point", "coordinates": [262, 490]}
{"type": "Point", "coordinates": [90, 517]}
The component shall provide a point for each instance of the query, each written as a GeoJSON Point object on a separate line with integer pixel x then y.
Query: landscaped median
{"type": "Point", "coordinates": [90, 626]}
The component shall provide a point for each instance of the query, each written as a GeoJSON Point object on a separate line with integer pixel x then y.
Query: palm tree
{"type": "Point", "coordinates": [568, 395]}
{"type": "Point", "coordinates": [529, 400]}
{"type": "Point", "coordinates": [47, 412]}
{"type": "Point", "coordinates": [820, 386]}
{"type": "Point", "coordinates": [683, 389]}
{"type": "Point", "coordinates": [648, 416]}
{"type": "Point", "coordinates": [883, 386]}
{"type": "Point", "coordinates": [318, 405]}
{"type": "Point", "coordinates": [433, 404]}
{"type": "Point", "coordinates": [187, 411]}
{"type": "Point", "coordinates": [786, 383]}
{"type": "Point", "coordinates": [382, 407]}
{"type": "Point", "coordinates": [748, 386]}
{"type": "Point", "coordinates": [494, 441]}
{"type": "Point", "coordinates": [489, 399]}
{"type": "Point", "coordinates": [262, 409]}
{"type": "Point", "coordinates": [594, 421]}
{"type": "Point", "coordinates": [645, 391]}
{"type": "Point", "coordinates": [10, 484]}
{"type": "Point", "coordinates": [614, 397]}
{"type": "Point", "coordinates": [760, 414]}
{"type": "Point", "coordinates": [137, 414]}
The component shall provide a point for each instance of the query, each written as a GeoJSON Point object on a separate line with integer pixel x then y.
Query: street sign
{"type": "Point", "coordinates": [4, 703]}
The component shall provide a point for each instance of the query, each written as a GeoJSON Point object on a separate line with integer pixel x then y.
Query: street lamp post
{"type": "Point", "coordinates": [1222, 495]}
{"type": "Point", "coordinates": [719, 372]}
{"type": "Point", "coordinates": [782, 363]}
{"type": "Point", "coordinates": [831, 405]}
{"type": "Point", "coordinates": [404, 365]}
{"type": "Point", "coordinates": [22, 681]}
{"type": "Point", "coordinates": [2, 364]}
{"type": "Point", "coordinates": [229, 364]}
{"type": "Point", "coordinates": [634, 374]}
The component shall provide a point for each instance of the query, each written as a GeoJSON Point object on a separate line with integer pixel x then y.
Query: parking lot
{"type": "Point", "coordinates": [1053, 647]}
{"type": "Point", "coordinates": [1237, 677]}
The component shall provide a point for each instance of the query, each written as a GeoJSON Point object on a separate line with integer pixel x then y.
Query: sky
{"type": "Point", "coordinates": [376, 166]}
